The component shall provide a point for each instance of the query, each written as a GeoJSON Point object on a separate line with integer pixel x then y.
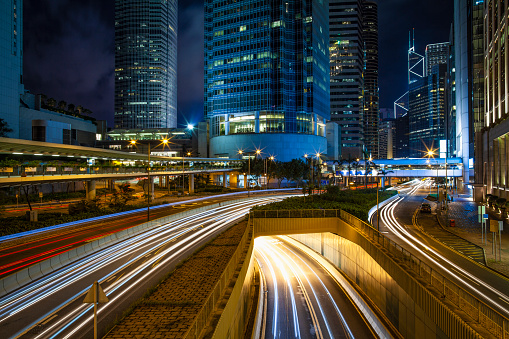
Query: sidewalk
{"type": "Point", "coordinates": [464, 212]}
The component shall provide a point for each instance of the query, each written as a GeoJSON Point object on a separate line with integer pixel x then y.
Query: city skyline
{"type": "Point", "coordinates": [69, 51]}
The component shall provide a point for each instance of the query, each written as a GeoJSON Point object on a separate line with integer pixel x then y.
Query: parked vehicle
{"type": "Point", "coordinates": [425, 208]}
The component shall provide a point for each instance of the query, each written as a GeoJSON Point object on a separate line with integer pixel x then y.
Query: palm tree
{"type": "Point", "coordinates": [384, 172]}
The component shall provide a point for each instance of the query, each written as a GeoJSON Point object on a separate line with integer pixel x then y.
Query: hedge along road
{"type": "Point", "coordinates": [23, 250]}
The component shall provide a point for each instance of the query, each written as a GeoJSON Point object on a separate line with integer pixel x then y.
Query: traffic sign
{"type": "Point", "coordinates": [90, 297]}
{"type": "Point", "coordinates": [485, 216]}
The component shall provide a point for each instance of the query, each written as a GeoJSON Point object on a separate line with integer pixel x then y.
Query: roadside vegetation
{"type": "Point", "coordinates": [357, 202]}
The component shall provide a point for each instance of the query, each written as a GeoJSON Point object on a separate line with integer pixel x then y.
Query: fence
{"type": "Point", "coordinates": [218, 291]}
{"type": "Point", "coordinates": [477, 310]}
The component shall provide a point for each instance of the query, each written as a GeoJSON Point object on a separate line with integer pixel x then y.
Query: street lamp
{"type": "Point", "coordinates": [133, 143]}
{"type": "Point", "coordinates": [256, 152]}
{"type": "Point", "coordinates": [266, 169]}
{"type": "Point", "coordinates": [183, 181]}
{"type": "Point", "coordinates": [432, 154]}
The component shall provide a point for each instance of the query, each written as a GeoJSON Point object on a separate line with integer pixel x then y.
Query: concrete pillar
{"type": "Point", "coordinates": [90, 190]}
{"type": "Point", "coordinates": [234, 180]}
{"type": "Point", "coordinates": [191, 183]}
{"type": "Point", "coordinates": [152, 188]}
{"type": "Point", "coordinates": [245, 181]}
{"type": "Point", "coordinates": [225, 181]}
{"type": "Point", "coordinates": [383, 182]}
{"type": "Point", "coordinates": [111, 185]}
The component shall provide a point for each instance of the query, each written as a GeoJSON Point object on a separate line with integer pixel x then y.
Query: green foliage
{"type": "Point", "coordinates": [119, 199]}
{"type": "Point", "coordinates": [356, 202]}
{"type": "Point", "coordinates": [85, 206]}
{"type": "Point", "coordinates": [4, 128]}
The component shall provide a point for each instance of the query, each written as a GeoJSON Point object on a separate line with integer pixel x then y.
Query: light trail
{"type": "Point", "coordinates": [438, 259]}
{"type": "Point", "coordinates": [318, 299]}
{"type": "Point", "coordinates": [134, 260]}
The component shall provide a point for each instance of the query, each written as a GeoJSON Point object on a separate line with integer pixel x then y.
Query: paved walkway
{"type": "Point", "coordinates": [464, 212]}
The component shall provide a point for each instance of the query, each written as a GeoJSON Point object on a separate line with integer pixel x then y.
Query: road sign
{"type": "Point", "coordinates": [479, 213]}
{"type": "Point", "coordinates": [483, 209]}
{"type": "Point", "coordinates": [493, 226]}
{"type": "Point", "coordinates": [102, 298]}
{"type": "Point", "coordinates": [485, 216]}
{"type": "Point", "coordinates": [501, 225]}
{"type": "Point", "coordinates": [40, 194]}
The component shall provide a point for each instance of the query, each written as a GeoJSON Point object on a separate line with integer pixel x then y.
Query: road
{"type": "Point", "coordinates": [397, 223]}
{"type": "Point", "coordinates": [19, 253]}
{"type": "Point", "coordinates": [52, 306]}
{"type": "Point", "coordinates": [303, 300]}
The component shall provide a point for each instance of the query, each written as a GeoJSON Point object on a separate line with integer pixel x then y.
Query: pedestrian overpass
{"type": "Point", "coordinates": [403, 168]}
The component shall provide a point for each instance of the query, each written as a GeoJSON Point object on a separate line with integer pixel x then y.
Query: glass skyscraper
{"type": "Point", "coordinates": [266, 76]}
{"type": "Point", "coordinates": [11, 62]}
{"type": "Point", "coordinates": [346, 73]}
{"type": "Point", "coordinates": [145, 64]}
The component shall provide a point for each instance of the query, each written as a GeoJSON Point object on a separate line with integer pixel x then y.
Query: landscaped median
{"type": "Point", "coordinates": [194, 300]}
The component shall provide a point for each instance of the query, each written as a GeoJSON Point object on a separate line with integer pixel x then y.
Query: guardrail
{"type": "Point", "coordinates": [218, 292]}
{"type": "Point", "coordinates": [477, 310]}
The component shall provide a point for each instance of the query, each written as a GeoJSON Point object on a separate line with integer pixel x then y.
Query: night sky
{"type": "Point", "coordinates": [69, 50]}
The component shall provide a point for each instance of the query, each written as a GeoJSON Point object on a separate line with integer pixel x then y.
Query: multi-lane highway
{"type": "Point", "coordinates": [52, 306]}
{"type": "Point", "coordinates": [397, 223]}
{"type": "Point", "coordinates": [20, 252]}
{"type": "Point", "coordinates": [302, 299]}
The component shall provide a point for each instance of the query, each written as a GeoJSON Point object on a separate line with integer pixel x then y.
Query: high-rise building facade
{"type": "Point", "coordinates": [436, 54]}
{"type": "Point", "coordinates": [145, 64]}
{"type": "Point", "coordinates": [495, 134]}
{"type": "Point", "coordinates": [386, 132]}
{"type": "Point", "coordinates": [426, 114]}
{"type": "Point", "coordinates": [469, 84]}
{"type": "Point", "coordinates": [11, 62]}
{"type": "Point", "coordinates": [371, 97]}
{"type": "Point", "coordinates": [267, 76]}
{"type": "Point", "coordinates": [346, 74]}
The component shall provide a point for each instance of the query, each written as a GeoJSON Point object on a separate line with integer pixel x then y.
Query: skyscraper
{"type": "Point", "coordinates": [371, 99]}
{"type": "Point", "coordinates": [145, 64]}
{"type": "Point", "coordinates": [426, 113]}
{"type": "Point", "coordinates": [346, 73]}
{"type": "Point", "coordinates": [11, 62]}
{"type": "Point", "coordinates": [495, 134]}
{"type": "Point", "coordinates": [469, 43]}
{"type": "Point", "coordinates": [266, 76]}
{"type": "Point", "coordinates": [436, 54]}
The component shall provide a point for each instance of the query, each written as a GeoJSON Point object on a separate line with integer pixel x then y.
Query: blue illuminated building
{"type": "Point", "coordinates": [267, 76]}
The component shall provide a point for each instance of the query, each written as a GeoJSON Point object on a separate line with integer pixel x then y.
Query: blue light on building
{"type": "Point", "coordinates": [267, 76]}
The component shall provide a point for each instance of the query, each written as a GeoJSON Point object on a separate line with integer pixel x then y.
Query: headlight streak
{"type": "Point", "coordinates": [278, 255]}
{"type": "Point", "coordinates": [390, 221]}
{"type": "Point", "coordinates": [340, 315]}
{"type": "Point", "coordinates": [56, 227]}
{"type": "Point", "coordinates": [62, 278]}
{"type": "Point", "coordinates": [100, 257]}
{"type": "Point", "coordinates": [274, 282]}
{"type": "Point", "coordinates": [109, 290]}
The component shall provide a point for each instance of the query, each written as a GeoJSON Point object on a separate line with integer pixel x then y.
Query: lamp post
{"type": "Point", "coordinates": [183, 181]}
{"type": "Point", "coordinates": [266, 168]}
{"type": "Point", "coordinates": [133, 143]}
{"type": "Point", "coordinates": [256, 152]}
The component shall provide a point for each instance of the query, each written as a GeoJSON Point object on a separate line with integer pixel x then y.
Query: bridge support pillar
{"type": "Point", "coordinates": [245, 181]}
{"type": "Point", "coordinates": [191, 183]}
{"type": "Point", "coordinates": [111, 185]}
{"type": "Point", "coordinates": [90, 189]}
{"type": "Point", "coordinates": [234, 180]}
{"type": "Point", "coordinates": [225, 181]}
{"type": "Point", "coordinates": [383, 182]}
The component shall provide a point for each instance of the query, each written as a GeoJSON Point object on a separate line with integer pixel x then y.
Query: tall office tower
{"type": "Point", "coordinates": [469, 55]}
{"type": "Point", "coordinates": [371, 99]}
{"type": "Point", "coordinates": [346, 73]}
{"type": "Point", "coordinates": [426, 114]}
{"type": "Point", "coordinates": [436, 54]}
{"type": "Point", "coordinates": [145, 64]}
{"type": "Point", "coordinates": [401, 143]}
{"type": "Point", "coordinates": [495, 139]}
{"type": "Point", "coordinates": [267, 77]}
{"type": "Point", "coordinates": [386, 131]}
{"type": "Point", "coordinates": [11, 62]}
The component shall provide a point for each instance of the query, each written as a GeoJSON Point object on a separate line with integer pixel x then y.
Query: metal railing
{"type": "Point", "coordinates": [490, 319]}
{"type": "Point", "coordinates": [218, 291]}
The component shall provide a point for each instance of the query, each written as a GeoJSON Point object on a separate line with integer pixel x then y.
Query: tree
{"type": "Point", "coordinates": [86, 111]}
{"type": "Point", "coordinates": [51, 102]}
{"type": "Point", "coordinates": [62, 105]}
{"type": "Point", "coordinates": [4, 129]}
{"type": "Point", "coordinates": [71, 108]}
{"type": "Point", "coordinates": [119, 199]}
